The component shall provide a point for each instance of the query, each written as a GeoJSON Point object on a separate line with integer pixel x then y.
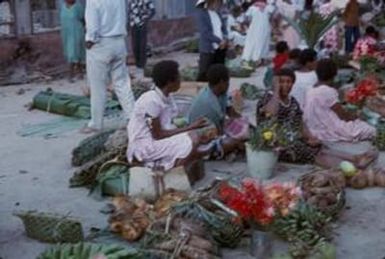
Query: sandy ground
{"type": "Point", "coordinates": [34, 173]}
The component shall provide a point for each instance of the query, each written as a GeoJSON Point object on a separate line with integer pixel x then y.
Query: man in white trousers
{"type": "Point", "coordinates": [106, 31]}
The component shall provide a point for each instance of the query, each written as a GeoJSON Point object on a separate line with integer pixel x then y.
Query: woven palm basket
{"type": "Point", "coordinates": [51, 228]}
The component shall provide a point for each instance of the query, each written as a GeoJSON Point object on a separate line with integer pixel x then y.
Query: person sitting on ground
{"type": "Point", "coordinates": [236, 30]}
{"type": "Point", "coordinates": [154, 140]}
{"type": "Point", "coordinates": [368, 45]}
{"type": "Point", "coordinates": [283, 108]}
{"type": "Point", "coordinates": [211, 103]}
{"type": "Point", "coordinates": [293, 61]}
{"type": "Point", "coordinates": [325, 117]}
{"type": "Point", "coordinates": [281, 56]}
{"type": "Point", "coordinates": [306, 77]}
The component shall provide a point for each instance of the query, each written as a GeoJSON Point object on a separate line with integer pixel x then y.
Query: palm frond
{"type": "Point", "coordinates": [313, 28]}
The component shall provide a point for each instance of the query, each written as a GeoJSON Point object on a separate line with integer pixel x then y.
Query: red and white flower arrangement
{"type": "Point", "coordinates": [367, 87]}
{"type": "Point", "coordinates": [257, 204]}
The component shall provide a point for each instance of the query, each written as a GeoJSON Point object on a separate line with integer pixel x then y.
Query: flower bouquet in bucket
{"type": "Point", "coordinates": [258, 206]}
{"type": "Point", "coordinates": [262, 149]}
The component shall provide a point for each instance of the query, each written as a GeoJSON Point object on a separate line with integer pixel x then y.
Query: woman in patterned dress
{"type": "Point", "coordinates": [282, 107]}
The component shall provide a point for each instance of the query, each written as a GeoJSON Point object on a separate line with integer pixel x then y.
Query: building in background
{"type": "Point", "coordinates": [38, 20]}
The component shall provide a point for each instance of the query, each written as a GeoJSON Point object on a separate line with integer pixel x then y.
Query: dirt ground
{"type": "Point", "coordinates": [34, 173]}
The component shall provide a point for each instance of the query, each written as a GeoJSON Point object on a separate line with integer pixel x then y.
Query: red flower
{"type": "Point", "coordinates": [353, 96]}
{"type": "Point", "coordinates": [250, 201]}
{"type": "Point", "coordinates": [368, 87]}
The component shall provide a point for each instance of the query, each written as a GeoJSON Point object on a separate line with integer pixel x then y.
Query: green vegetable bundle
{"type": "Point", "coordinates": [89, 250]}
{"type": "Point", "coordinates": [305, 228]}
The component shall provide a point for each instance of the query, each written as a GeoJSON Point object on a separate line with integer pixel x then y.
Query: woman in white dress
{"type": "Point", "coordinates": [259, 33]}
{"type": "Point", "coordinates": [290, 10]}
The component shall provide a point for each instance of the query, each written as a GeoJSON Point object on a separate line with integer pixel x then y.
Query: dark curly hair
{"type": "Point", "coordinates": [217, 73]}
{"type": "Point", "coordinates": [165, 72]}
{"type": "Point", "coordinates": [281, 47]}
{"type": "Point", "coordinates": [326, 69]}
{"type": "Point", "coordinates": [286, 72]}
{"type": "Point", "coordinates": [307, 56]}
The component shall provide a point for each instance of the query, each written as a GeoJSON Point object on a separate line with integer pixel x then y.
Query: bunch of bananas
{"type": "Point", "coordinates": [89, 250]}
{"type": "Point", "coordinates": [304, 228]}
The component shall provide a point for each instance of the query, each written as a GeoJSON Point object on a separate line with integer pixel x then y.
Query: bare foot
{"type": "Point", "coordinates": [88, 130]}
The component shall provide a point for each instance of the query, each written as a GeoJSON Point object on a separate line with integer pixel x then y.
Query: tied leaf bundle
{"type": "Point", "coordinates": [90, 147]}
{"type": "Point", "coordinates": [89, 250]}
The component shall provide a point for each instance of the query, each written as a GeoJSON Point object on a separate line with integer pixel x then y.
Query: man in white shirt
{"type": "Point", "coordinates": [106, 23]}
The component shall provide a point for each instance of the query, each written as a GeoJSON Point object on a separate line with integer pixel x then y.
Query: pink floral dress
{"type": "Point", "coordinates": [142, 146]}
{"type": "Point", "coordinates": [364, 47]}
{"type": "Point", "coordinates": [324, 124]}
{"type": "Point", "coordinates": [331, 37]}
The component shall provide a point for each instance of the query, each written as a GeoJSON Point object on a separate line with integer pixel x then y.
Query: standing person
{"type": "Point", "coordinates": [259, 33]}
{"type": "Point", "coordinates": [290, 10]}
{"type": "Point", "coordinates": [331, 37]}
{"type": "Point", "coordinates": [72, 34]}
{"type": "Point", "coordinates": [6, 18]}
{"type": "Point", "coordinates": [212, 39]}
{"type": "Point", "coordinates": [106, 57]}
{"type": "Point", "coordinates": [140, 11]}
{"type": "Point", "coordinates": [352, 22]}
{"type": "Point", "coordinates": [235, 28]}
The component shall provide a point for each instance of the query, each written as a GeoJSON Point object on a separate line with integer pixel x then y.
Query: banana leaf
{"type": "Point", "coordinates": [314, 27]}
{"type": "Point", "coordinates": [112, 179]}
{"type": "Point", "coordinates": [90, 250]}
{"type": "Point", "coordinates": [68, 104]}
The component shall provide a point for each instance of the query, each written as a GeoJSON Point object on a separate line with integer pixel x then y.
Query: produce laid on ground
{"type": "Point", "coordinates": [251, 92]}
{"type": "Point", "coordinates": [305, 228]}
{"type": "Point", "coordinates": [324, 190]}
{"type": "Point", "coordinates": [90, 250]}
{"type": "Point", "coordinates": [51, 228]}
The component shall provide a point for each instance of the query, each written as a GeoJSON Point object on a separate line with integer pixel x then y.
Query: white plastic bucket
{"type": "Point", "coordinates": [260, 163]}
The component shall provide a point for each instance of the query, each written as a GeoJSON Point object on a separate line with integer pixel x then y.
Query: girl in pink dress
{"type": "Point", "coordinates": [153, 138]}
{"type": "Point", "coordinates": [324, 116]}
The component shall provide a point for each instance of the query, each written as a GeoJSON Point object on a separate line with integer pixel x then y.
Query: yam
{"type": "Point", "coordinates": [322, 190]}
{"type": "Point", "coordinates": [320, 180]}
{"type": "Point", "coordinates": [370, 177]}
{"type": "Point", "coordinates": [358, 181]}
{"type": "Point", "coordinates": [380, 178]}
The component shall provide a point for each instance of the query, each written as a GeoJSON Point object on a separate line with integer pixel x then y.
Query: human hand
{"type": "Point", "coordinates": [89, 44]}
{"type": "Point", "coordinates": [200, 123]}
{"type": "Point", "coordinates": [276, 86]}
{"type": "Point", "coordinates": [223, 44]}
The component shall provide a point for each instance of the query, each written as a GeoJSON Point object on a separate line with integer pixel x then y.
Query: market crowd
{"type": "Point", "coordinates": [301, 93]}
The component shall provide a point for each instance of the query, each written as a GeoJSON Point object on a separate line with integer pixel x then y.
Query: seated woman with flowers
{"type": "Point", "coordinates": [369, 46]}
{"type": "Point", "coordinates": [153, 138]}
{"type": "Point", "coordinates": [325, 117]}
{"type": "Point", "coordinates": [285, 110]}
